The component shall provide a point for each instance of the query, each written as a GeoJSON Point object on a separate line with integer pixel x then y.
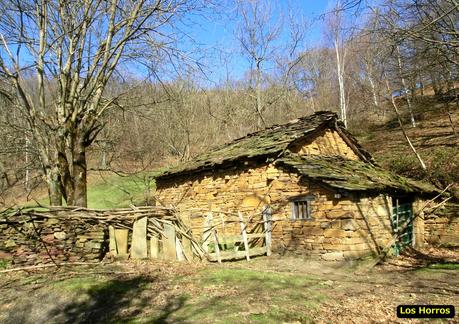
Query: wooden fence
{"type": "Point", "coordinates": [160, 233]}
{"type": "Point", "coordinates": [253, 239]}
{"type": "Point", "coordinates": [154, 238]}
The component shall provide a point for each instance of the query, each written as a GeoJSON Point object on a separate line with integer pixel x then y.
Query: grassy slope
{"type": "Point", "coordinates": [264, 290]}
{"type": "Point", "coordinates": [433, 138]}
{"type": "Point", "coordinates": [111, 190]}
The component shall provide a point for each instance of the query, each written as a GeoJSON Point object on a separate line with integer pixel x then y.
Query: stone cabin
{"type": "Point", "coordinates": [326, 194]}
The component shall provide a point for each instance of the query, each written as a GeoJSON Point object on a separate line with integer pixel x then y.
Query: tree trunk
{"type": "Point", "coordinates": [373, 91]}
{"type": "Point", "coordinates": [405, 89]}
{"type": "Point", "coordinates": [66, 178]}
{"type": "Point", "coordinates": [259, 105]}
{"type": "Point", "coordinates": [340, 73]}
{"type": "Point", "coordinates": [54, 186]}
{"type": "Point", "coordinates": [421, 161]}
{"type": "Point", "coordinates": [79, 176]}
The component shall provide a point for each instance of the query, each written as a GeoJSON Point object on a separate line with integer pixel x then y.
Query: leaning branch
{"type": "Point", "coordinates": [423, 165]}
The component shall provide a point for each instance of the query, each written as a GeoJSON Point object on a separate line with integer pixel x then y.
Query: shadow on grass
{"type": "Point", "coordinates": [423, 260]}
{"type": "Point", "coordinates": [117, 300]}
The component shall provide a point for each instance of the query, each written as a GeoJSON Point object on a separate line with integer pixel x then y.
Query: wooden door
{"type": "Point", "coordinates": [402, 220]}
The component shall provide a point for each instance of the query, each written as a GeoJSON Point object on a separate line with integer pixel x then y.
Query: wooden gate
{"type": "Point", "coordinates": [253, 239]}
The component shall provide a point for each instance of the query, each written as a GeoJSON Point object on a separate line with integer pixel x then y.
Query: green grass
{"type": "Point", "coordinates": [81, 284]}
{"type": "Point", "coordinates": [113, 191]}
{"type": "Point", "coordinates": [243, 295]}
{"type": "Point", "coordinates": [222, 295]}
{"type": "Point", "coordinates": [4, 264]}
{"type": "Point", "coordinates": [445, 266]}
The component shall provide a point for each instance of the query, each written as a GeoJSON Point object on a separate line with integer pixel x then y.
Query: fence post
{"type": "Point", "coordinates": [267, 224]}
{"type": "Point", "coordinates": [169, 244]}
{"type": "Point", "coordinates": [217, 247]}
{"type": "Point", "coordinates": [121, 238]}
{"type": "Point", "coordinates": [112, 243]}
{"type": "Point", "coordinates": [244, 236]}
{"type": "Point", "coordinates": [206, 233]}
{"type": "Point", "coordinates": [139, 249]}
{"type": "Point", "coordinates": [154, 247]}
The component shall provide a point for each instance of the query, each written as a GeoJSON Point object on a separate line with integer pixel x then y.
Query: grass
{"type": "Point", "coordinates": [239, 293]}
{"type": "Point", "coordinates": [252, 296]}
{"type": "Point", "coordinates": [445, 266]}
{"type": "Point", "coordinates": [81, 284]}
{"type": "Point", "coordinates": [117, 191]}
{"type": "Point", "coordinates": [221, 295]}
{"type": "Point", "coordinates": [4, 264]}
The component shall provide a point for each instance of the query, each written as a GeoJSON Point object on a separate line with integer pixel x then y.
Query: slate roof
{"type": "Point", "coordinates": [350, 175]}
{"type": "Point", "coordinates": [335, 171]}
{"type": "Point", "coordinates": [269, 142]}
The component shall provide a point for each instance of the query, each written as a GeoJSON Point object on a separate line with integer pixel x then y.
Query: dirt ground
{"type": "Point", "coordinates": [277, 289]}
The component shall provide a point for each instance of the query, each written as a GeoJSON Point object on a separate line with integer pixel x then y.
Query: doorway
{"type": "Point", "coordinates": [402, 221]}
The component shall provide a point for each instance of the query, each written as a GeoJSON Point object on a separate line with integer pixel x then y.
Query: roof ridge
{"type": "Point", "coordinates": [266, 142]}
{"type": "Point", "coordinates": [290, 122]}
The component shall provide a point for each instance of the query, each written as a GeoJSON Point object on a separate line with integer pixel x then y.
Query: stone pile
{"type": "Point", "coordinates": [35, 235]}
{"type": "Point", "coordinates": [38, 240]}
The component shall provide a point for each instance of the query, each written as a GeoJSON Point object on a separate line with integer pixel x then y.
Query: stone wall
{"type": "Point", "coordinates": [442, 226]}
{"type": "Point", "coordinates": [342, 227]}
{"type": "Point", "coordinates": [42, 240]}
{"type": "Point", "coordinates": [326, 142]}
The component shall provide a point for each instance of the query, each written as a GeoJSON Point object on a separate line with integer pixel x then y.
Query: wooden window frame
{"type": "Point", "coordinates": [302, 209]}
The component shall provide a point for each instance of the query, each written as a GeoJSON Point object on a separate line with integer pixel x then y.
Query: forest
{"type": "Point", "coordinates": [129, 87]}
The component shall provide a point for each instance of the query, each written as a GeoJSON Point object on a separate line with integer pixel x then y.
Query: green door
{"type": "Point", "coordinates": [402, 212]}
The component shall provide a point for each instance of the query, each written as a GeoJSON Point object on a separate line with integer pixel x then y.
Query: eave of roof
{"type": "Point", "coordinates": [350, 175]}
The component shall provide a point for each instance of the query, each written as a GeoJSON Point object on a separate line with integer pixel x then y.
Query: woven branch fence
{"type": "Point", "coordinates": [159, 223]}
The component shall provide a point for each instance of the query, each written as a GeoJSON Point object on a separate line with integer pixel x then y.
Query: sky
{"type": "Point", "coordinates": [214, 35]}
{"type": "Point", "coordinates": [211, 40]}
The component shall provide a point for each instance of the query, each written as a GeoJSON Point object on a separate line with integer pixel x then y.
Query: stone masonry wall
{"type": "Point", "coordinates": [326, 142]}
{"type": "Point", "coordinates": [442, 226]}
{"type": "Point", "coordinates": [43, 240]}
{"type": "Point", "coordinates": [344, 227]}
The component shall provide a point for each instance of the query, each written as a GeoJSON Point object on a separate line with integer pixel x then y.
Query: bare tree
{"type": "Point", "coordinates": [257, 35]}
{"type": "Point", "coordinates": [335, 21]}
{"type": "Point", "coordinates": [59, 56]}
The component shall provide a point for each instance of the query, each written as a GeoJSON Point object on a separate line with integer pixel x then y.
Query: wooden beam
{"type": "Point", "coordinates": [206, 233]}
{"type": "Point", "coordinates": [244, 236]}
{"type": "Point", "coordinates": [217, 247]}
{"type": "Point", "coordinates": [267, 215]}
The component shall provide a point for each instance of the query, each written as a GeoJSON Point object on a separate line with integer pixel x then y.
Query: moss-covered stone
{"type": "Point", "coordinates": [267, 143]}
{"type": "Point", "coordinates": [351, 175]}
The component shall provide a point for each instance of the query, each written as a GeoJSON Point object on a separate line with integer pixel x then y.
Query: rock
{"type": "Point", "coordinates": [10, 243]}
{"type": "Point", "coordinates": [327, 283]}
{"type": "Point", "coordinates": [94, 245]}
{"type": "Point", "coordinates": [60, 235]}
{"type": "Point", "coordinates": [348, 226]}
{"type": "Point", "coordinates": [53, 221]}
{"type": "Point", "coordinates": [325, 225]}
{"type": "Point", "coordinates": [333, 256]}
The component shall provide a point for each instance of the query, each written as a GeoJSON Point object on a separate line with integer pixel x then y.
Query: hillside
{"type": "Point", "coordinates": [433, 137]}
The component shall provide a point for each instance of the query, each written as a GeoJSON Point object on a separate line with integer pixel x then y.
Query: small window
{"type": "Point", "coordinates": [301, 209]}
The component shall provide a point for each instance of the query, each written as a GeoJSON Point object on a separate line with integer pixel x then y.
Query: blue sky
{"type": "Point", "coordinates": [215, 34]}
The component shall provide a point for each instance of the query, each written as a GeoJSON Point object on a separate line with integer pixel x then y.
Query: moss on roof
{"type": "Point", "coordinates": [350, 175]}
{"type": "Point", "coordinates": [271, 141]}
